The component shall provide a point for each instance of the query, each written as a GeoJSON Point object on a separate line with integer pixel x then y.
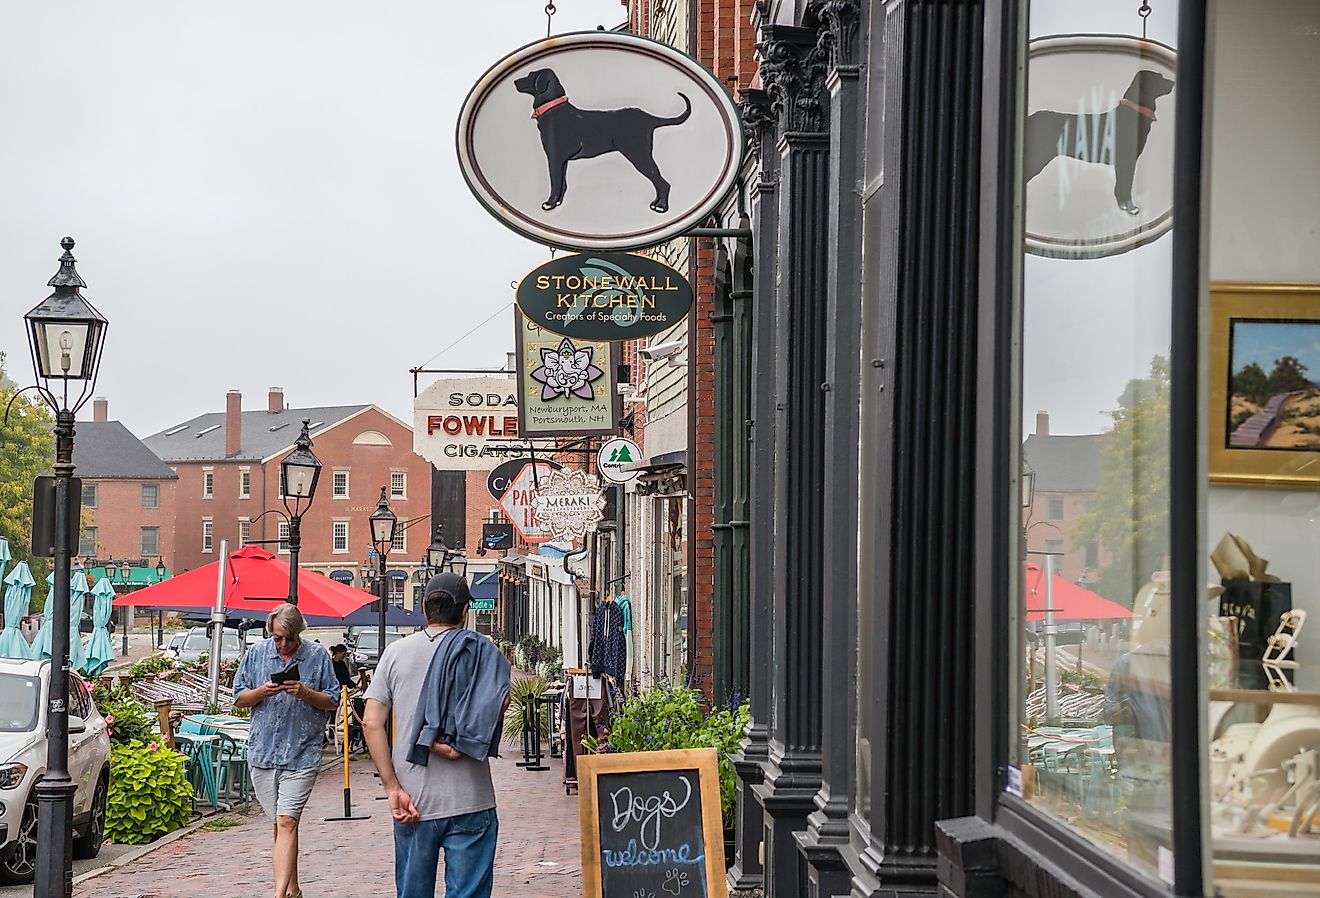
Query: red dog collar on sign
{"type": "Point", "coordinates": [1144, 111]}
{"type": "Point", "coordinates": [546, 107]}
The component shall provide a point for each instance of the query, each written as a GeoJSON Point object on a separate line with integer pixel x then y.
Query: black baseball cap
{"type": "Point", "coordinates": [452, 585]}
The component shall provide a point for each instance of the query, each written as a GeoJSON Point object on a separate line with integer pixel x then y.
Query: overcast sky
{"type": "Point", "coordinates": [263, 193]}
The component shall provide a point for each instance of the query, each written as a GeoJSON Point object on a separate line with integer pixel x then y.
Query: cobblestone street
{"type": "Point", "coordinates": [538, 855]}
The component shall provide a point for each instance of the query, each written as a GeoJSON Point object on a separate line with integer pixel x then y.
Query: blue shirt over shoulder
{"type": "Point", "coordinates": [286, 732]}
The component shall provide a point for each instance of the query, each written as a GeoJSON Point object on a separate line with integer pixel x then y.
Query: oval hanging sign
{"type": "Point", "coordinates": [1098, 145]}
{"type": "Point", "coordinates": [599, 140]}
{"type": "Point", "coordinates": [604, 296]}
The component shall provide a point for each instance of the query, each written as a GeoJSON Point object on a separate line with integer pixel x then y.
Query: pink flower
{"type": "Point", "coordinates": [109, 718]}
{"type": "Point", "coordinates": [153, 746]}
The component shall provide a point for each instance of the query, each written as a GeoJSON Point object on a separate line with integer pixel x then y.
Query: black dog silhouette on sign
{"type": "Point", "coordinates": [1115, 137]}
{"type": "Point", "coordinates": [569, 133]}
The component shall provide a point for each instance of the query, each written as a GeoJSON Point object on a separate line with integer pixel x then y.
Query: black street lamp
{"type": "Point", "coordinates": [161, 571]}
{"type": "Point", "coordinates": [66, 336]}
{"type": "Point", "coordinates": [299, 472]}
{"type": "Point", "coordinates": [383, 524]}
{"type": "Point", "coordinates": [437, 553]}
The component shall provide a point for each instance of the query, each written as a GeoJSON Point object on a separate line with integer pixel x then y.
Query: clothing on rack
{"type": "Point", "coordinates": [585, 717]}
{"type": "Point", "coordinates": [608, 649]}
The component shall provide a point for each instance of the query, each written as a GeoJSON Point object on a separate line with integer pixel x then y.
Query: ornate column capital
{"type": "Point", "coordinates": [841, 34]}
{"type": "Point", "coordinates": [758, 117]}
{"type": "Point", "coordinates": [793, 67]}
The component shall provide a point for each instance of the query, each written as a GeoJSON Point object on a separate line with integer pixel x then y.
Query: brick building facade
{"type": "Point", "coordinates": [228, 468]}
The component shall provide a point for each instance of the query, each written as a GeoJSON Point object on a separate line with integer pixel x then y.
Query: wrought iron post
{"type": "Point", "coordinates": [295, 543]}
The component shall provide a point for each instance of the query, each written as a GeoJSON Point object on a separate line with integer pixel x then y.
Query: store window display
{"type": "Point", "coordinates": [1262, 495]}
{"type": "Point", "coordinates": [1092, 716]}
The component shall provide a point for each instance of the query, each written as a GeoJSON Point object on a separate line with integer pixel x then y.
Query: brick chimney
{"type": "Point", "coordinates": [275, 400]}
{"type": "Point", "coordinates": [233, 422]}
{"type": "Point", "coordinates": [100, 410]}
{"type": "Point", "coordinates": [1042, 424]}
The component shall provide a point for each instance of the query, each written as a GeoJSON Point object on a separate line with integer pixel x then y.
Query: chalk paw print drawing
{"type": "Point", "coordinates": [567, 371]}
{"type": "Point", "coordinates": [642, 893]}
{"type": "Point", "coordinates": [675, 879]}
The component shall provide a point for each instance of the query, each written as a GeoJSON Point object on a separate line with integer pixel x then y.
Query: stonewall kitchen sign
{"type": "Point", "coordinates": [599, 140]}
{"type": "Point", "coordinates": [466, 425]}
{"type": "Point", "coordinates": [605, 296]}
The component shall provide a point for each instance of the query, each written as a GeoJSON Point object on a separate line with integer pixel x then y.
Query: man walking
{"type": "Point", "coordinates": [289, 685]}
{"type": "Point", "coordinates": [447, 687]}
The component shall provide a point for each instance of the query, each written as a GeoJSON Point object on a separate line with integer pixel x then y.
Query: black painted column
{"type": "Point", "coordinates": [722, 630]}
{"type": "Point", "coordinates": [793, 70]}
{"type": "Point", "coordinates": [924, 747]}
{"type": "Point", "coordinates": [758, 119]}
{"type": "Point", "coordinates": [828, 829]}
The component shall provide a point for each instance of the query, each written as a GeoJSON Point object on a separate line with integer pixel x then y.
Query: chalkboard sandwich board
{"type": "Point", "coordinates": [651, 825]}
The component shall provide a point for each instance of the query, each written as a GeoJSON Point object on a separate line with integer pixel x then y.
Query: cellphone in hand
{"type": "Point", "coordinates": [280, 677]}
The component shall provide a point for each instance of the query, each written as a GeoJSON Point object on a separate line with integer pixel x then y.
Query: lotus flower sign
{"type": "Point", "coordinates": [569, 503]}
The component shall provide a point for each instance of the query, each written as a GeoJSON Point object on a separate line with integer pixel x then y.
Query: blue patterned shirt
{"type": "Point", "coordinates": [286, 732]}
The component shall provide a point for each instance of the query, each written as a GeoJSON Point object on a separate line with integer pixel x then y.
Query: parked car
{"type": "Point", "coordinates": [366, 651]}
{"type": "Point", "coordinates": [24, 687]}
{"type": "Point", "coordinates": [352, 633]}
{"type": "Point", "coordinates": [193, 643]}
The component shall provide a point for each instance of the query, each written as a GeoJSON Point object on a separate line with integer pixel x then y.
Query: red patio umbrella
{"type": "Point", "coordinates": [1071, 602]}
{"type": "Point", "coordinates": [258, 581]}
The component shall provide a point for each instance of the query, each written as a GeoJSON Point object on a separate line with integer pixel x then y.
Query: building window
{"type": "Point", "coordinates": [339, 481]}
{"type": "Point", "coordinates": [87, 542]}
{"type": "Point", "coordinates": [244, 533]}
{"type": "Point", "coordinates": [339, 536]}
{"type": "Point", "coordinates": [150, 541]}
{"type": "Point", "coordinates": [400, 543]}
{"type": "Point", "coordinates": [89, 495]}
{"type": "Point", "coordinates": [1054, 509]}
{"type": "Point", "coordinates": [1054, 547]}
{"type": "Point", "coordinates": [245, 484]}
{"type": "Point", "coordinates": [398, 484]}
{"type": "Point", "coordinates": [283, 537]}
{"type": "Point", "coordinates": [208, 534]}
{"type": "Point", "coordinates": [208, 484]}
{"type": "Point", "coordinates": [151, 496]}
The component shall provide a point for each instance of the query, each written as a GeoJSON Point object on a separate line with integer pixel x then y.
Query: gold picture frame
{"type": "Point", "coordinates": [1260, 427]}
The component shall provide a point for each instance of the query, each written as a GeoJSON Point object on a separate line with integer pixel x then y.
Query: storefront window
{"type": "Point", "coordinates": [1091, 715]}
{"type": "Point", "coordinates": [1262, 514]}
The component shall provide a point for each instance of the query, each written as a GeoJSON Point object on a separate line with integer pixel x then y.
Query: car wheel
{"type": "Point", "coordinates": [21, 868]}
{"type": "Point", "coordinates": [88, 845]}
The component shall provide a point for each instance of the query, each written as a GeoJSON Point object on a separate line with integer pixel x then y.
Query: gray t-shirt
{"type": "Point", "coordinates": [442, 788]}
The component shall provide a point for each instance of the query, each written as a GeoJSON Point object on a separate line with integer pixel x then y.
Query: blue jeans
{"type": "Point", "coordinates": [468, 841]}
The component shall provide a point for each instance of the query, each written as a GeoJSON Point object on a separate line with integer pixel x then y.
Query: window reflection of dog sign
{"type": "Point", "coordinates": [1098, 145]}
{"type": "Point", "coordinates": [629, 142]}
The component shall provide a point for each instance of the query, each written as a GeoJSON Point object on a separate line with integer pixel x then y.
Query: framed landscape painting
{"type": "Point", "coordinates": [1264, 421]}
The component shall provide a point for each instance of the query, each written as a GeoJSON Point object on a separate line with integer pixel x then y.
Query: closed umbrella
{"type": "Point", "coordinates": [18, 592]}
{"type": "Point", "coordinates": [4, 555]}
{"type": "Point", "coordinates": [41, 645]}
{"type": "Point", "coordinates": [100, 648]}
{"type": "Point", "coordinates": [78, 590]}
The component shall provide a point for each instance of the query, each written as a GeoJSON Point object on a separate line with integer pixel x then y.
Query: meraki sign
{"type": "Point", "coordinates": [604, 296]}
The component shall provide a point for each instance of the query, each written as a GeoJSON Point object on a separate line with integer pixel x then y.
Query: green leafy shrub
{"type": "Point", "coordinates": [126, 720]}
{"type": "Point", "coordinates": [150, 795]}
{"type": "Point", "coordinates": [672, 717]}
{"type": "Point", "coordinates": [152, 664]}
{"type": "Point", "coordinates": [513, 718]}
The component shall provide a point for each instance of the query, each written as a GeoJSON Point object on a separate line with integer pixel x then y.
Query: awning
{"type": "Point", "coordinates": [485, 586]}
{"type": "Point", "coordinates": [1071, 602]}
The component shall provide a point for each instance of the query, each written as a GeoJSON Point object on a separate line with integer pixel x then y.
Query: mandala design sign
{"type": "Point", "coordinates": [569, 503]}
{"type": "Point", "coordinates": [566, 386]}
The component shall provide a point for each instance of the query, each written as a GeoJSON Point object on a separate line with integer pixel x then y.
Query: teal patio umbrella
{"type": "Point", "coordinates": [4, 555]}
{"type": "Point", "coordinates": [41, 645]}
{"type": "Point", "coordinates": [18, 592]}
{"type": "Point", "coordinates": [78, 590]}
{"type": "Point", "coordinates": [100, 648]}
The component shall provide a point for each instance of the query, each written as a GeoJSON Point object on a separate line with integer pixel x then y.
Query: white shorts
{"type": "Point", "coordinates": [283, 793]}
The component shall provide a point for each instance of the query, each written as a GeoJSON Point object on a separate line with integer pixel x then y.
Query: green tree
{"type": "Point", "coordinates": [27, 450]}
{"type": "Point", "coordinates": [1251, 384]}
{"type": "Point", "coordinates": [1289, 374]}
{"type": "Point", "coordinates": [1129, 515]}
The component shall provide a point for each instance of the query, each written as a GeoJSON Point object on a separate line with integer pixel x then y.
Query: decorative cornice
{"type": "Point", "coordinates": [793, 68]}
{"type": "Point", "coordinates": [758, 117]}
{"type": "Point", "coordinates": [841, 19]}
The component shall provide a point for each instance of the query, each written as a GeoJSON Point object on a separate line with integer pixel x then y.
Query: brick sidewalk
{"type": "Point", "coordinates": [538, 854]}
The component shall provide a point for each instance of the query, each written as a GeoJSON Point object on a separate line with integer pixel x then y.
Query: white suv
{"type": "Point", "coordinates": [24, 687]}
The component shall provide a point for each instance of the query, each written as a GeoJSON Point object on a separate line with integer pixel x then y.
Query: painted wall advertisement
{"type": "Point", "coordinates": [469, 424]}
{"type": "Point", "coordinates": [566, 387]}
